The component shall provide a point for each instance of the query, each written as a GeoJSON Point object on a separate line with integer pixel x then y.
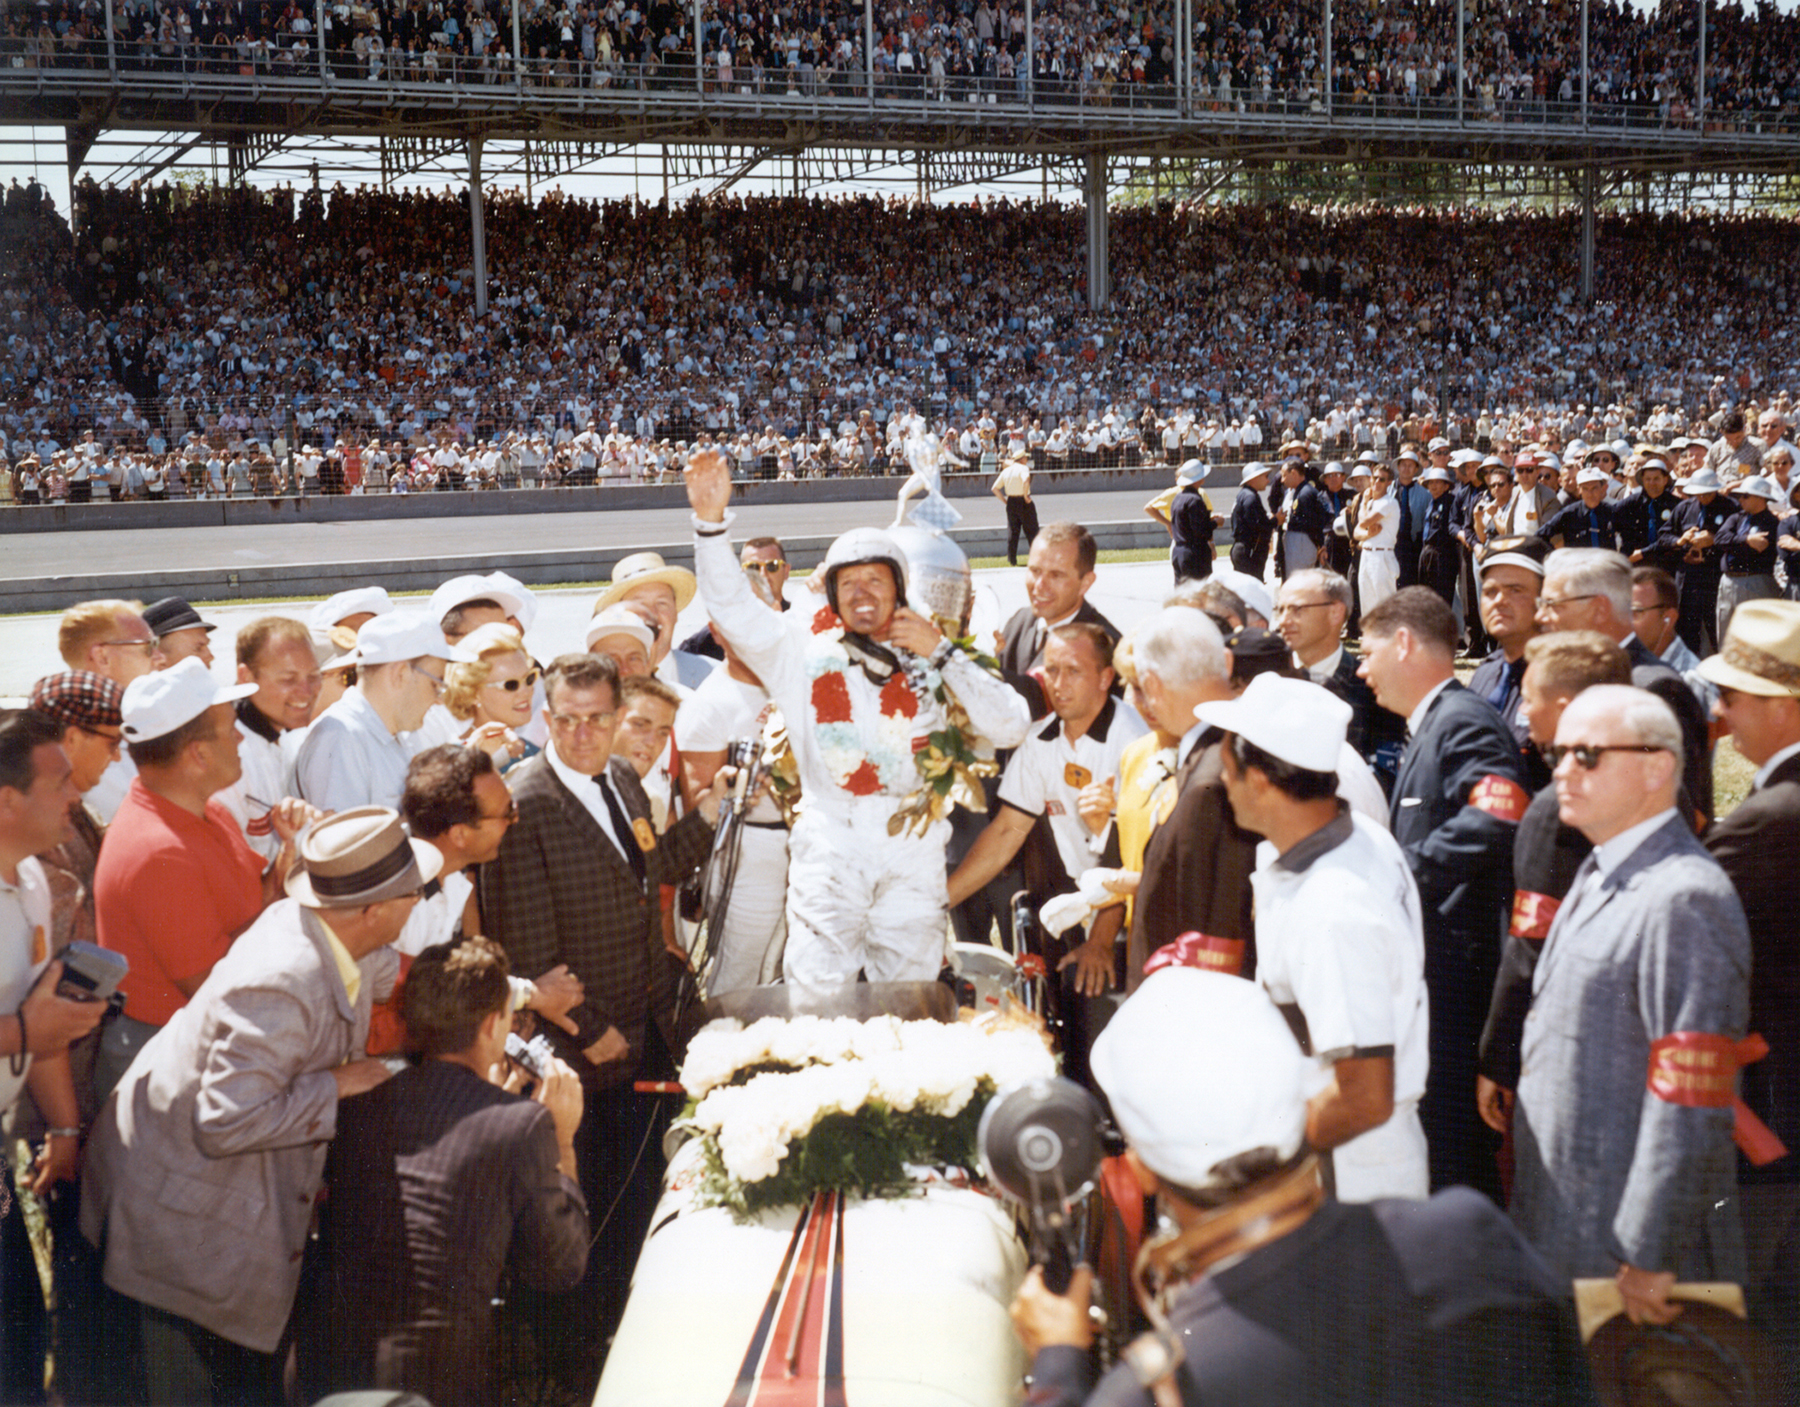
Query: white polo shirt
{"type": "Point", "coordinates": [24, 953]}
{"type": "Point", "coordinates": [1047, 774]}
{"type": "Point", "coordinates": [1339, 936]}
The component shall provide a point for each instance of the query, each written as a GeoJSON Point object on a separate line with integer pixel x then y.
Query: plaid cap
{"type": "Point", "coordinates": [78, 698]}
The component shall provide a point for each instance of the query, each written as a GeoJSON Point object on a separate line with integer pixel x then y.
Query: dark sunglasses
{"type": "Point", "coordinates": [512, 686]}
{"type": "Point", "coordinates": [1587, 755]}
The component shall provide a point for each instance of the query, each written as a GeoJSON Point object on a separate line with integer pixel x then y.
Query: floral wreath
{"type": "Point", "coordinates": [933, 771]}
{"type": "Point", "coordinates": [862, 766]}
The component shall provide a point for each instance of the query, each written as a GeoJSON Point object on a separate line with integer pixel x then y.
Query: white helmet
{"type": "Point", "coordinates": [860, 546]}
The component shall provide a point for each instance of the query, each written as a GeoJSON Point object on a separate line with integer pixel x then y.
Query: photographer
{"type": "Point", "coordinates": [439, 1180]}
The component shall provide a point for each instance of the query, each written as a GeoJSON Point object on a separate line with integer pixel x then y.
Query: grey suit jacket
{"type": "Point", "coordinates": [1608, 1171]}
{"type": "Point", "coordinates": [205, 1161]}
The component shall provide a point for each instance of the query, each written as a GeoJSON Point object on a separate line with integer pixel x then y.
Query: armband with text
{"type": "Point", "coordinates": [1698, 1070]}
{"type": "Point", "coordinates": [1500, 797]}
{"type": "Point", "coordinates": [1532, 914]}
{"type": "Point", "coordinates": [1201, 950]}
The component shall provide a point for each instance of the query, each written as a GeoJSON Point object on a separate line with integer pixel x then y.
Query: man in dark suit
{"type": "Point", "coordinates": [1059, 573]}
{"type": "Point", "coordinates": [1759, 699]}
{"type": "Point", "coordinates": [440, 1180]}
{"type": "Point", "coordinates": [578, 882]}
{"type": "Point", "coordinates": [1456, 804]}
{"type": "Point", "coordinates": [1590, 589]}
{"type": "Point", "coordinates": [1310, 614]}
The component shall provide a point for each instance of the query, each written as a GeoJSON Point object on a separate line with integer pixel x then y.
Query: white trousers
{"type": "Point", "coordinates": [749, 942]}
{"type": "Point", "coordinates": [860, 899]}
{"type": "Point", "coordinates": [1377, 577]}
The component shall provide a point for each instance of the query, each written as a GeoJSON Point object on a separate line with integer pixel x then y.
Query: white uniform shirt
{"type": "Point", "coordinates": [721, 710]}
{"type": "Point", "coordinates": [1047, 774]}
{"type": "Point", "coordinates": [24, 953]}
{"type": "Point", "coordinates": [268, 776]}
{"type": "Point", "coordinates": [435, 917]}
{"type": "Point", "coordinates": [1338, 935]}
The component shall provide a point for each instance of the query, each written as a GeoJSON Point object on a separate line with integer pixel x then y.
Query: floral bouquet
{"type": "Point", "coordinates": [785, 1108]}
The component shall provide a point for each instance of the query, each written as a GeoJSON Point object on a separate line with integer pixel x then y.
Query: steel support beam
{"type": "Point", "coordinates": [478, 227]}
{"type": "Point", "coordinates": [1099, 273]}
{"type": "Point", "coordinates": [1587, 235]}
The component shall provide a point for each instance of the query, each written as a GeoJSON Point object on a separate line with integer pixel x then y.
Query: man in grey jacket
{"type": "Point", "coordinates": [206, 1160]}
{"type": "Point", "coordinates": [1624, 1114]}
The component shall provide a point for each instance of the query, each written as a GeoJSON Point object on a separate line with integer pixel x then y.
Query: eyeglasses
{"type": "Point", "coordinates": [1650, 610]}
{"type": "Point", "coordinates": [1289, 607]}
{"type": "Point", "coordinates": [512, 686]}
{"type": "Point", "coordinates": [1556, 603]}
{"type": "Point", "coordinates": [438, 685]}
{"type": "Point", "coordinates": [509, 815]}
{"type": "Point", "coordinates": [112, 740]}
{"type": "Point", "coordinates": [1587, 755]}
{"type": "Point", "coordinates": [575, 722]}
{"type": "Point", "coordinates": [774, 568]}
{"type": "Point", "coordinates": [133, 644]}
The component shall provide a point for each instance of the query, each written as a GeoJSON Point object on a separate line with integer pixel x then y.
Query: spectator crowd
{"type": "Point", "coordinates": [1517, 58]}
{"type": "Point", "coordinates": [1524, 947]}
{"type": "Point", "coordinates": [180, 342]}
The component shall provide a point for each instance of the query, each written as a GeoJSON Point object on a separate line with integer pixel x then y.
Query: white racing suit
{"type": "Point", "coordinates": [858, 898]}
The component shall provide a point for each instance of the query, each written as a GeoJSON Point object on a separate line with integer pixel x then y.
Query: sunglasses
{"type": "Point", "coordinates": [1588, 755]}
{"type": "Point", "coordinates": [766, 568]}
{"type": "Point", "coordinates": [512, 686]}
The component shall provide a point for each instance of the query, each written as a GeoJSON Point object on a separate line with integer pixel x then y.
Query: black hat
{"type": "Point", "coordinates": [1257, 651]}
{"type": "Point", "coordinates": [170, 614]}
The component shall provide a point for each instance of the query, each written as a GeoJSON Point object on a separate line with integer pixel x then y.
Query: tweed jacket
{"type": "Point", "coordinates": [560, 892]}
{"type": "Point", "coordinates": [1608, 1170]}
{"type": "Point", "coordinates": [205, 1162]}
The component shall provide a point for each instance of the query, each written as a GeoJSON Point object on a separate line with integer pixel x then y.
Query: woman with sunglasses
{"type": "Point", "coordinates": [494, 694]}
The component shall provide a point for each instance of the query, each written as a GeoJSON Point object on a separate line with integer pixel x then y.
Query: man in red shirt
{"type": "Point", "coordinates": [176, 881]}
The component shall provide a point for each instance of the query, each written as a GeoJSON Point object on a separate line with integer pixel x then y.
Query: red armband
{"type": "Point", "coordinates": [1500, 797]}
{"type": "Point", "coordinates": [1200, 950]}
{"type": "Point", "coordinates": [1531, 915]}
{"type": "Point", "coordinates": [1699, 1071]}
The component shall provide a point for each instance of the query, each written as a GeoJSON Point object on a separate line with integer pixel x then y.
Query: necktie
{"type": "Point", "coordinates": [627, 839]}
{"type": "Point", "coordinates": [1404, 494]}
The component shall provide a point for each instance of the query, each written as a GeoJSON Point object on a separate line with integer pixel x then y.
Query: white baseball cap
{"type": "Point", "coordinates": [159, 703]}
{"type": "Point", "coordinates": [1200, 1068]}
{"type": "Point", "coordinates": [528, 606]}
{"type": "Point", "coordinates": [345, 604]}
{"type": "Point", "coordinates": [1296, 720]}
{"type": "Point", "coordinates": [619, 620]}
{"type": "Point", "coordinates": [400, 636]}
{"type": "Point", "coordinates": [460, 590]}
{"type": "Point", "coordinates": [1592, 476]}
{"type": "Point", "coordinates": [1247, 589]}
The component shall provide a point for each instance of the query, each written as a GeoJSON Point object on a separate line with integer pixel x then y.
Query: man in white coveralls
{"type": "Point", "coordinates": [858, 688]}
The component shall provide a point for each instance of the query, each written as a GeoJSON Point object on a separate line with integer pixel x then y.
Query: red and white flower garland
{"type": "Point", "coordinates": [864, 760]}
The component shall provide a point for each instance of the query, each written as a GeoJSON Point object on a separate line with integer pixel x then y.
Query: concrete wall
{"type": "Point", "coordinates": [549, 568]}
{"type": "Point", "coordinates": [87, 517]}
